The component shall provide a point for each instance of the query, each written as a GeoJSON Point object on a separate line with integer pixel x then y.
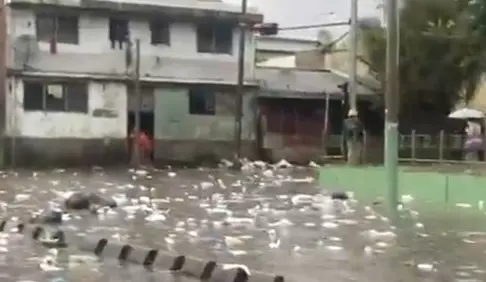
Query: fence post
{"type": "Point", "coordinates": [441, 146]}
{"type": "Point", "coordinates": [413, 146]}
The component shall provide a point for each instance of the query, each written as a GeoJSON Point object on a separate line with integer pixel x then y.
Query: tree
{"type": "Point", "coordinates": [441, 54]}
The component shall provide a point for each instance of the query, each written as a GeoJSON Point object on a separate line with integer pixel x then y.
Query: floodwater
{"type": "Point", "coordinates": [272, 220]}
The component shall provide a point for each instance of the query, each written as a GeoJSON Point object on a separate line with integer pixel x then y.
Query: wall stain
{"type": "Point", "coordinates": [105, 113]}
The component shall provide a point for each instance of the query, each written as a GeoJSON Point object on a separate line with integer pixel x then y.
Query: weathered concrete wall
{"type": "Point", "coordinates": [175, 122]}
{"type": "Point", "coordinates": [39, 124]}
{"type": "Point", "coordinates": [268, 47]}
{"type": "Point", "coordinates": [62, 138]}
{"type": "Point", "coordinates": [179, 61]}
{"type": "Point", "coordinates": [310, 60]}
{"type": "Point", "coordinates": [183, 137]}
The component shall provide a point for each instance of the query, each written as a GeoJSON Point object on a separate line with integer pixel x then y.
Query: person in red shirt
{"type": "Point", "coordinates": [144, 143]}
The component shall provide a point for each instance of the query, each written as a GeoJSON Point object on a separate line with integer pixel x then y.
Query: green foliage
{"type": "Point", "coordinates": [442, 52]}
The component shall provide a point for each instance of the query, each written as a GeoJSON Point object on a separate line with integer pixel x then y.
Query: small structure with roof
{"type": "Point", "coordinates": [301, 110]}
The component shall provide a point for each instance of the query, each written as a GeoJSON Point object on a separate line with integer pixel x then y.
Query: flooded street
{"type": "Point", "coordinates": [271, 220]}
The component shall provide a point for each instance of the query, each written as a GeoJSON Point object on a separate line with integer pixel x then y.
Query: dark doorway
{"type": "Point", "coordinates": [146, 125]}
{"type": "Point", "coordinates": [118, 32]}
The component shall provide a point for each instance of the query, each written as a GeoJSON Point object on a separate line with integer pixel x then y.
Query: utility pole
{"type": "Point", "coordinates": [240, 90]}
{"type": "Point", "coordinates": [3, 79]}
{"type": "Point", "coordinates": [353, 55]}
{"type": "Point", "coordinates": [136, 129]}
{"type": "Point", "coordinates": [392, 106]}
{"type": "Point", "coordinates": [352, 145]}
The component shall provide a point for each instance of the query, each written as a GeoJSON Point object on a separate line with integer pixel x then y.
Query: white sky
{"type": "Point", "coordinates": [304, 12]}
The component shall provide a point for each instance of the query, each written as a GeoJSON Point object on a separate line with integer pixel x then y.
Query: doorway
{"type": "Point", "coordinates": [118, 32]}
{"type": "Point", "coordinates": [146, 125]}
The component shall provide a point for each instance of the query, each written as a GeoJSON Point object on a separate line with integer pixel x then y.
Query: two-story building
{"type": "Point", "coordinates": [70, 96]}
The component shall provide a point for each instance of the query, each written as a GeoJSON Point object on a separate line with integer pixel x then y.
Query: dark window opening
{"type": "Point", "coordinates": [118, 32]}
{"type": "Point", "coordinates": [159, 32]}
{"type": "Point", "coordinates": [33, 96]}
{"type": "Point", "coordinates": [201, 101]}
{"type": "Point", "coordinates": [77, 97]}
{"type": "Point", "coordinates": [55, 97]}
{"type": "Point", "coordinates": [62, 29]}
{"type": "Point", "coordinates": [215, 38]}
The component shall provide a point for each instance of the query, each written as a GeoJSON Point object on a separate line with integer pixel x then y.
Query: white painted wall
{"type": "Point", "coordinates": [41, 124]}
{"type": "Point", "coordinates": [93, 38]}
{"type": "Point", "coordinates": [282, 44]}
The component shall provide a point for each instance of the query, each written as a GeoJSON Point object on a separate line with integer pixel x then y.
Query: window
{"type": "Point", "coordinates": [215, 38]}
{"type": "Point", "coordinates": [201, 101]}
{"type": "Point", "coordinates": [118, 32]}
{"type": "Point", "coordinates": [55, 97]}
{"type": "Point", "coordinates": [64, 29]}
{"type": "Point", "coordinates": [159, 32]}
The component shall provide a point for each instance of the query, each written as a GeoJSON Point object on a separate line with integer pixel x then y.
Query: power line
{"type": "Point", "coordinates": [300, 27]}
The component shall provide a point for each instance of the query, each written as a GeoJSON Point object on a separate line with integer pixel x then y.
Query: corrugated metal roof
{"type": "Point", "coordinates": [303, 81]}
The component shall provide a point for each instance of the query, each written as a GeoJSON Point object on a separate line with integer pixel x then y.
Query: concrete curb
{"type": "Point", "coordinates": [49, 237]}
{"type": "Point", "coordinates": [209, 271]}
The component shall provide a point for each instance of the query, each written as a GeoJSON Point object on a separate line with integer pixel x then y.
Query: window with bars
{"type": "Point", "coordinates": [55, 97]}
{"type": "Point", "coordinates": [159, 32]}
{"type": "Point", "coordinates": [202, 101]}
{"type": "Point", "coordinates": [61, 29]}
{"type": "Point", "coordinates": [215, 38]}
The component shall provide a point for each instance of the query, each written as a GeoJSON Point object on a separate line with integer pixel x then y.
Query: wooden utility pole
{"type": "Point", "coordinates": [3, 79]}
{"type": "Point", "coordinates": [136, 130]}
{"type": "Point", "coordinates": [240, 90]}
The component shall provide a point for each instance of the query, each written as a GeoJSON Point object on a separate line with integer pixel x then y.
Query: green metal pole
{"type": "Point", "coordinates": [392, 105]}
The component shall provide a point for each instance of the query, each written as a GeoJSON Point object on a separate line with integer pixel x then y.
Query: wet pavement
{"type": "Point", "coordinates": [272, 220]}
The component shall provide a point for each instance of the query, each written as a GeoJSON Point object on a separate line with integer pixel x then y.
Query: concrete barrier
{"type": "Point", "coordinates": [221, 274]}
{"type": "Point", "coordinates": [264, 277]}
{"type": "Point", "coordinates": [51, 238]}
{"type": "Point", "coordinates": [198, 268]}
{"type": "Point", "coordinates": [205, 270]}
{"type": "Point", "coordinates": [3, 225]}
{"type": "Point", "coordinates": [92, 245]}
{"type": "Point", "coordinates": [107, 249]}
{"type": "Point", "coordinates": [134, 254]}
{"type": "Point", "coordinates": [152, 258]}
{"type": "Point", "coordinates": [167, 261]}
{"type": "Point", "coordinates": [142, 255]}
{"type": "Point", "coordinates": [8, 225]}
{"type": "Point", "coordinates": [37, 232]}
{"type": "Point", "coordinates": [54, 238]}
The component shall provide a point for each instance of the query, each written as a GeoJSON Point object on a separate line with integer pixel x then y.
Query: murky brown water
{"type": "Point", "coordinates": [269, 220]}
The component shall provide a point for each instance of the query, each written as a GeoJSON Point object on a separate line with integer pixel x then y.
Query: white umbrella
{"type": "Point", "coordinates": [466, 113]}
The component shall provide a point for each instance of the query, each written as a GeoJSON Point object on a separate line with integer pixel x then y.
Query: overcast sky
{"type": "Point", "coordinates": [304, 12]}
